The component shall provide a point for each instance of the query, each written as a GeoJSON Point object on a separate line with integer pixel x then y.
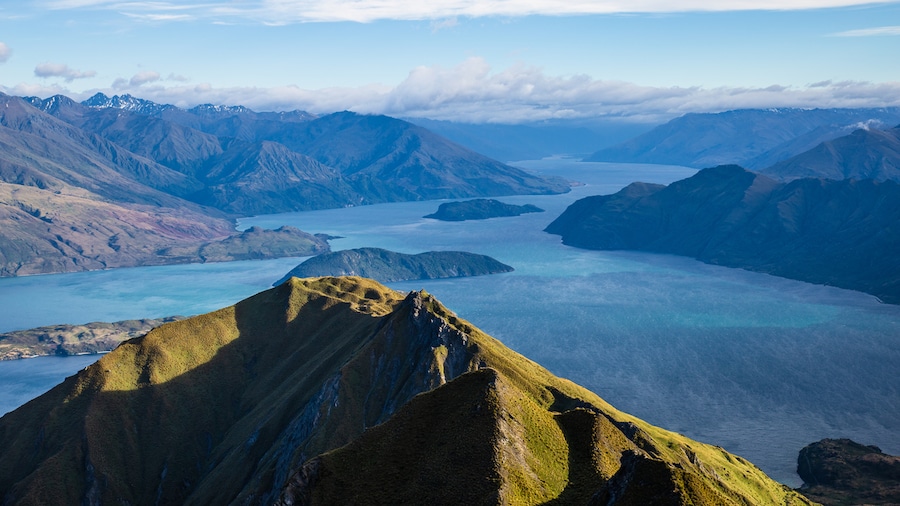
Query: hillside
{"type": "Point", "coordinates": [752, 138]}
{"type": "Point", "coordinates": [819, 231]}
{"type": "Point", "coordinates": [389, 266]}
{"type": "Point", "coordinates": [864, 154]}
{"type": "Point", "coordinates": [70, 230]}
{"type": "Point", "coordinates": [244, 405]}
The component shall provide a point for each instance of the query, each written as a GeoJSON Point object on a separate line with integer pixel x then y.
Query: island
{"type": "Point", "coordinates": [480, 209]}
{"type": "Point", "coordinates": [65, 340]}
{"type": "Point", "coordinates": [841, 471]}
{"type": "Point", "coordinates": [389, 266]}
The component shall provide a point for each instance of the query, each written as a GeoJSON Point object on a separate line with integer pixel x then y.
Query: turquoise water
{"type": "Point", "coordinates": [759, 365]}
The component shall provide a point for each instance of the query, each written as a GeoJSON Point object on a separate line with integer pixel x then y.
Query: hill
{"type": "Point", "coordinates": [752, 138]}
{"type": "Point", "coordinates": [245, 405]}
{"type": "Point", "coordinates": [864, 154]}
{"type": "Point", "coordinates": [480, 209]}
{"type": "Point", "coordinates": [389, 266]}
{"type": "Point", "coordinates": [820, 231]}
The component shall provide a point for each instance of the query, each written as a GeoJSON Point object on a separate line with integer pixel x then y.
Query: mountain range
{"type": "Point", "coordinates": [821, 231]}
{"type": "Point", "coordinates": [114, 180]}
{"type": "Point", "coordinates": [866, 153]}
{"type": "Point", "coordinates": [341, 391]}
{"type": "Point", "coordinates": [752, 138]}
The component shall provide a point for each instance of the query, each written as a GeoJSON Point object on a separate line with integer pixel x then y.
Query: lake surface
{"type": "Point", "coordinates": [759, 365]}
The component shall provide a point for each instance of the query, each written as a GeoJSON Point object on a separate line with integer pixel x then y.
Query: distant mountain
{"type": "Point", "coordinates": [389, 266]}
{"type": "Point", "coordinates": [341, 391]}
{"type": "Point", "coordinates": [480, 209]}
{"type": "Point", "coordinates": [821, 231]}
{"type": "Point", "coordinates": [864, 154]}
{"type": "Point", "coordinates": [752, 138]}
{"type": "Point", "coordinates": [389, 160]}
{"type": "Point", "coordinates": [361, 159]}
{"type": "Point", "coordinates": [46, 152]}
{"type": "Point", "coordinates": [119, 181]}
{"type": "Point", "coordinates": [532, 141]}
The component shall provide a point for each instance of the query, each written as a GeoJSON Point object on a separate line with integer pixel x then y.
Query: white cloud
{"type": "Point", "coordinates": [61, 70]}
{"type": "Point", "coordinates": [5, 52]}
{"type": "Point", "coordinates": [144, 77]}
{"type": "Point", "coordinates": [871, 32]}
{"type": "Point", "coordinates": [473, 92]}
{"type": "Point", "coordinates": [293, 11]}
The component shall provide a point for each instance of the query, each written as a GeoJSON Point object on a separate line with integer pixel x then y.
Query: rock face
{"type": "Point", "coordinates": [339, 390]}
{"type": "Point", "coordinates": [96, 337]}
{"type": "Point", "coordinates": [828, 232]}
{"type": "Point", "coordinates": [840, 471]}
{"type": "Point", "coordinates": [389, 266]}
{"type": "Point", "coordinates": [864, 154]}
{"type": "Point", "coordinates": [480, 209]}
{"type": "Point", "coordinates": [752, 138]}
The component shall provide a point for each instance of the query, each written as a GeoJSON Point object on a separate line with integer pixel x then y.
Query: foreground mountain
{"type": "Point", "coordinates": [864, 154]}
{"type": "Point", "coordinates": [480, 209]}
{"type": "Point", "coordinates": [838, 233]}
{"type": "Point", "coordinates": [389, 266]}
{"type": "Point", "coordinates": [244, 405]}
{"type": "Point", "coordinates": [752, 138]}
{"type": "Point", "coordinates": [63, 340]}
{"type": "Point", "coordinates": [843, 472]}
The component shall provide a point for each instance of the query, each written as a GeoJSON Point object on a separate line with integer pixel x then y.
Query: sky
{"type": "Point", "coordinates": [504, 61]}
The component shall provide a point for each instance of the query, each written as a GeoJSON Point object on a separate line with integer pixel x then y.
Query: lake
{"type": "Point", "coordinates": [757, 364]}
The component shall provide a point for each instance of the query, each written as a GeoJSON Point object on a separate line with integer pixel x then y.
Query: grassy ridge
{"type": "Point", "coordinates": [227, 407]}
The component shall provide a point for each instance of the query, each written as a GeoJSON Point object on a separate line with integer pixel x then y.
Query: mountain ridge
{"type": "Point", "coordinates": [815, 230]}
{"type": "Point", "coordinates": [866, 153]}
{"type": "Point", "coordinates": [227, 407]}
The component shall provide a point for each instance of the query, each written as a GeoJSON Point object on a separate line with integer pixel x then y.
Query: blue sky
{"type": "Point", "coordinates": [503, 61]}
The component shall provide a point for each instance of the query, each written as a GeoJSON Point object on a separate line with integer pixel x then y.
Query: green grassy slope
{"type": "Point", "coordinates": [226, 408]}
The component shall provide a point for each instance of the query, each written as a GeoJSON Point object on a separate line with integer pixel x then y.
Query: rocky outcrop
{"type": "Point", "coordinates": [841, 471]}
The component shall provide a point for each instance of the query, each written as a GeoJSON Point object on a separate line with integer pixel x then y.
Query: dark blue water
{"type": "Point", "coordinates": [759, 365]}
